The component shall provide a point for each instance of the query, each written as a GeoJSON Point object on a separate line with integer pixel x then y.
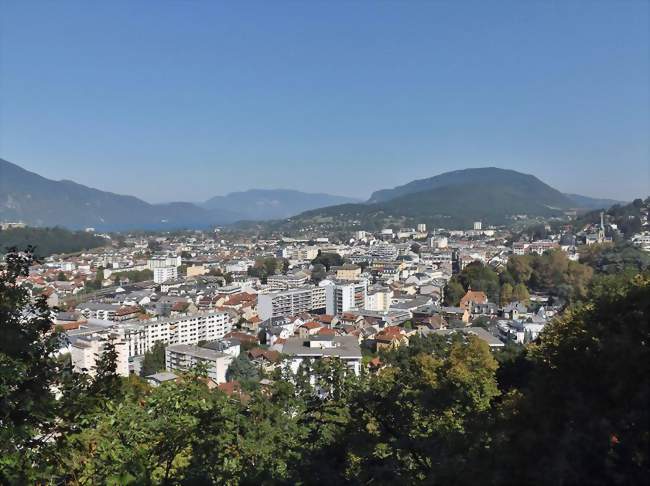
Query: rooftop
{"type": "Point", "coordinates": [344, 347]}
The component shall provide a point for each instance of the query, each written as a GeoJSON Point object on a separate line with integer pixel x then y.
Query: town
{"type": "Point", "coordinates": [222, 297]}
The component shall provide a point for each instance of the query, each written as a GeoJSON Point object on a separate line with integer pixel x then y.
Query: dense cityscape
{"type": "Point", "coordinates": [324, 243]}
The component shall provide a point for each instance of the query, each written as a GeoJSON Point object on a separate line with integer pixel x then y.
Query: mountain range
{"type": "Point", "coordinates": [264, 204]}
{"type": "Point", "coordinates": [38, 201]}
{"type": "Point", "coordinates": [454, 200]}
{"type": "Point", "coordinates": [451, 199]}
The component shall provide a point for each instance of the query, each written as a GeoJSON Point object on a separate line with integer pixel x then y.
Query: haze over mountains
{"type": "Point", "coordinates": [264, 204]}
{"type": "Point", "coordinates": [456, 199]}
{"type": "Point", "coordinates": [38, 201]}
{"type": "Point", "coordinates": [489, 194]}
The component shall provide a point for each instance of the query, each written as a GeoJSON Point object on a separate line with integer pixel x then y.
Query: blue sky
{"type": "Point", "coordinates": [183, 100]}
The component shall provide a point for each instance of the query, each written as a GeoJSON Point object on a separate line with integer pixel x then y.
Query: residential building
{"type": "Point", "coordinates": [182, 357]}
{"type": "Point", "coordinates": [164, 274]}
{"type": "Point", "coordinates": [319, 346]}
{"type": "Point", "coordinates": [383, 251]}
{"type": "Point", "coordinates": [473, 298]}
{"type": "Point", "coordinates": [378, 298]}
{"type": "Point", "coordinates": [348, 272]}
{"type": "Point", "coordinates": [85, 352]}
{"type": "Point", "coordinates": [343, 296]}
{"type": "Point", "coordinates": [286, 282]}
{"type": "Point", "coordinates": [181, 329]}
{"type": "Point", "coordinates": [291, 302]}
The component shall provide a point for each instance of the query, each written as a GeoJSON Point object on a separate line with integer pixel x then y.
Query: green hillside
{"type": "Point", "coordinates": [48, 241]}
{"type": "Point", "coordinates": [493, 196]}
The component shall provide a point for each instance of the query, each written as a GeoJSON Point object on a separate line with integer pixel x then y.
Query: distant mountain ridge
{"type": "Point", "coordinates": [38, 201]}
{"type": "Point", "coordinates": [586, 202]}
{"type": "Point", "coordinates": [264, 204]}
{"type": "Point", "coordinates": [452, 200]}
{"type": "Point", "coordinates": [483, 175]}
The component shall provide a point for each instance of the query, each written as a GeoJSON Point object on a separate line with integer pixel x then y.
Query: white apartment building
{"type": "Point", "coordinates": [163, 274]}
{"type": "Point", "coordinates": [164, 261]}
{"type": "Point", "coordinates": [379, 299]}
{"type": "Point", "coordinates": [290, 302]}
{"type": "Point", "coordinates": [438, 242]}
{"type": "Point", "coordinates": [344, 296]}
{"type": "Point", "coordinates": [182, 357]}
{"type": "Point", "coordinates": [86, 351]}
{"type": "Point", "coordinates": [204, 326]}
{"type": "Point", "coordinates": [478, 226]}
{"type": "Point", "coordinates": [302, 253]}
{"type": "Point", "coordinates": [286, 282]}
{"type": "Point", "coordinates": [383, 251]}
{"type": "Point", "coordinates": [345, 348]}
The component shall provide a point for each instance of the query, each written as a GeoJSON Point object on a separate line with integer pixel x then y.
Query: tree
{"type": "Point", "coordinates": [154, 246]}
{"type": "Point", "coordinates": [428, 437]}
{"type": "Point", "coordinates": [479, 276]}
{"type": "Point", "coordinates": [520, 293]}
{"type": "Point", "coordinates": [30, 375]}
{"type": "Point", "coordinates": [328, 260]}
{"type": "Point", "coordinates": [61, 277]}
{"type": "Point", "coordinates": [242, 369]}
{"type": "Point", "coordinates": [505, 297]}
{"type": "Point", "coordinates": [589, 385]}
{"type": "Point", "coordinates": [454, 291]}
{"type": "Point", "coordinates": [318, 273]}
{"type": "Point", "coordinates": [154, 360]}
{"type": "Point", "coordinates": [519, 267]}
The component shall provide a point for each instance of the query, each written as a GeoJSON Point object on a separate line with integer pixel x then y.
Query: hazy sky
{"type": "Point", "coordinates": [183, 100]}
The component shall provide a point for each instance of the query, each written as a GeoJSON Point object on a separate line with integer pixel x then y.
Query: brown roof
{"type": "Point", "coordinates": [388, 334]}
{"type": "Point", "coordinates": [266, 354]}
{"type": "Point", "coordinates": [476, 296]}
{"type": "Point", "coordinates": [240, 298]}
{"type": "Point", "coordinates": [311, 325]}
{"type": "Point", "coordinates": [125, 311]}
{"type": "Point", "coordinates": [241, 336]}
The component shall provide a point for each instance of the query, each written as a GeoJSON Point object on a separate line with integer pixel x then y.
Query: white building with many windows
{"type": "Point", "coordinates": [87, 350]}
{"type": "Point", "coordinates": [182, 357]}
{"type": "Point", "coordinates": [290, 302]}
{"type": "Point", "coordinates": [342, 296]}
{"type": "Point", "coordinates": [204, 326]}
{"type": "Point", "coordinates": [163, 274]}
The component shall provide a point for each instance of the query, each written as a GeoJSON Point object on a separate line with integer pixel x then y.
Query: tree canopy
{"type": "Point", "coordinates": [568, 408]}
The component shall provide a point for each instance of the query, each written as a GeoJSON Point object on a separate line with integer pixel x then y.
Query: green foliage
{"type": "Point", "coordinates": [133, 275]}
{"type": "Point", "coordinates": [28, 371]}
{"type": "Point", "coordinates": [611, 259]}
{"type": "Point", "coordinates": [476, 276]}
{"type": "Point", "coordinates": [242, 369]}
{"type": "Point", "coordinates": [589, 386]}
{"type": "Point", "coordinates": [505, 296]}
{"type": "Point", "coordinates": [48, 241]}
{"type": "Point", "coordinates": [318, 273]}
{"type": "Point", "coordinates": [552, 273]}
{"type": "Point", "coordinates": [570, 408]}
{"type": "Point", "coordinates": [328, 260]}
{"type": "Point", "coordinates": [154, 360]}
{"type": "Point", "coordinates": [520, 294]}
{"type": "Point", "coordinates": [454, 291]}
{"type": "Point", "coordinates": [264, 267]}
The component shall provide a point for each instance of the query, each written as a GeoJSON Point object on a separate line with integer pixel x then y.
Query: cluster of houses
{"type": "Point", "coordinates": [388, 288]}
